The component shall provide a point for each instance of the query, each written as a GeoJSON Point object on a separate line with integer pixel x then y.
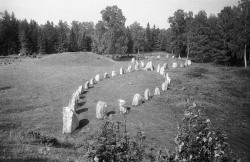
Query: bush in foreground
{"type": "Point", "coordinates": [195, 141]}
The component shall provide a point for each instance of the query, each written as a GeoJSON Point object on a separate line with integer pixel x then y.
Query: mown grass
{"type": "Point", "coordinates": [41, 87]}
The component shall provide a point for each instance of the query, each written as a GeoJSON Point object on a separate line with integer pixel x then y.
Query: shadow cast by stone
{"type": "Point", "coordinates": [81, 103]}
{"type": "Point", "coordinates": [111, 112]}
{"type": "Point", "coordinates": [82, 96]}
{"type": "Point", "coordinates": [82, 110]}
{"type": "Point", "coordinates": [83, 123]}
{"type": "Point", "coordinates": [84, 92]}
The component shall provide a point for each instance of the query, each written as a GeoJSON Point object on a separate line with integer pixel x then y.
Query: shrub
{"type": "Point", "coordinates": [195, 141]}
{"type": "Point", "coordinates": [113, 145]}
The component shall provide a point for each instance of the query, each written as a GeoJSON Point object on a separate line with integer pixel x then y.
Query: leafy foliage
{"type": "Point", "coordinates": [196, 140]}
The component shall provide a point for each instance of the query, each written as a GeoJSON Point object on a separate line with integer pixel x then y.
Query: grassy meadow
{"type": "Point", "coordinates": [33, 92]}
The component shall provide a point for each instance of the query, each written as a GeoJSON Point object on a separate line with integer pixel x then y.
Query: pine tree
{"type": "Point", "coordinates": [72, 41]}
{"type": "Point", "coordinates": [23, 38]}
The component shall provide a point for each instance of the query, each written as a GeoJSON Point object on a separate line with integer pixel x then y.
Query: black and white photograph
{"type": "Point", "coordinates": [125, 80]}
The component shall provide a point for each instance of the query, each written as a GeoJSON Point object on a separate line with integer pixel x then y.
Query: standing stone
{"type": "Point", "coordinates": [70, 120]}
{"type": "Point", "coordinates": [97, 78]}
{"type": "Point", "coordinates": [122, 107]}
{"type": "Point", "coordinates": [86, 86]}
{"type": "Point", "coordinates": [129, 69]}
{"type": "Point", "coordinates": [165, 65]}
{"type": "Point", "coordinates": [136, 67]}
{"type": "Point", "coordinates": [121, 71]}
{"type": "Point", "coordinates": [77, 95]}
{"type": "Point", "coordinates": [113, 73]}
{"type": "Point", "coordinates": [147, 94]}
{"type": "Point", "coordinates": [167, 79]}
{"type": "Point", "coordinates": [173, 57]}
{"type": "Point", "coordinates": [101, 110]}
{"type": "Point", "coordinates": [133, 60]}
{"type": "Point", "coordinates": [72, 103]}
{"type": "Point", "coordinates": [189, 62]}
{"type": "Point", "coordinates": [185, 63]}
{"type": "Point", "coordinates": [164, 86]}
{"type": "Point", "coordinates": [158, 57]}
{"type": "Point", "coordinates": [158, 68]}
{"type": "Point", "coordinates": [157, 91]}
{"type": "Point", "coordinates": [149, 66]}
{"type": "Point", "coordinates": [174, 65]}
{"type": "Point", "coordinates": [80, 89]}
{"type": "Point", "coordinates": [179, 57]}
{"type": "Point", "coordinates": [167, 56]}
{"type": "Point", "coordinates": [181, 65]}
{"type": "Point", "coordinates": [91, 82]}
{"type": "Point", "coordinates": [105, 75]}
{"type": "Point", "coordinates": [137, 100]}
{"type": "Point", "coordinates": [162, 71]}
{"type": "Point", "coordinates": [142, 64]}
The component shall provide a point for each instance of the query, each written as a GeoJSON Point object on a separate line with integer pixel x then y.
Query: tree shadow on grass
{"type": "Point", "coordinates": [82, 110]}
{"type": "Point", "coordinates": [83, 123]}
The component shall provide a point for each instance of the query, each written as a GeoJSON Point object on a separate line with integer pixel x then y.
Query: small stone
{"type": "Point", "coordinates": [147, 94]}
{"type": "Point", "coordinates": [164, 86]}
{"type": "Point", "coordinates": [157, 91]}
{"type": "Point", "coordinates": [91, 82]}
{"type": "Point", "coordinates": [129, 69]}
{"type": "Point", "coordinates": [149, 66]}
{"type": "Point", "coordinates": [174, 65]}
{"type": "Point", "coordinates": [105, 75]}
{"type": "Point", "coordinates": [97, 78]}
{"type": "Point", "coordinates": [113, 73]}
{"type": "Point", "coordinates": [101, 110]}
{"type": "Point", "coordinates": [121, 71]}
{"type": "Point", "coordinates": [137, 100]}
{"type": "Point", "coordinates": [158, 68]}
{"type": "Point", "coordinates": [86, 86]}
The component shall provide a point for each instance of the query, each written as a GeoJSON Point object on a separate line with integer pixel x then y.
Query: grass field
{"type": "Point", "coordinates": [34, 91]}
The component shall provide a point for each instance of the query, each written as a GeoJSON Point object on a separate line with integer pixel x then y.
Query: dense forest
{"type": "Point", "coordinates": [215, 38]}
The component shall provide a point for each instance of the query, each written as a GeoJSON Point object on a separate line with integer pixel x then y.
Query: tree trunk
{"type": "Point", "coordinates": [245, 56]}
{"type": "Point", "coordinates": [138, 50]}
{"type": "Point", "coordinates": [187, 52]}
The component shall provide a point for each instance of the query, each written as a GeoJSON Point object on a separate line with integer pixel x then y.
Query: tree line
{"type": "Point", "coordinates": [109, 36]}
{"type": "Point", "coordinates": [26, 38]}
{"type": "Point", "coordinates": [219, 38]}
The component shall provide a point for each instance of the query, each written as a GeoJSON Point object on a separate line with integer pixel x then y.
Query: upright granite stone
{"type": "Point", "coordinates": [157, 91]}
{"type": "Point", "coordinates": [105, 75]}
{"type": "Point", "coordinates": [101, 110]}
{"type": "Point", "coordinates": [91, 82]}
{"type": "Point", "coordinates": [174, 65]}
{"type": "Point", "coordinates": [164, 86]}
{"type": "Point", "coordinates": [129, 69]}
{"type": "Point", "coordinates": [70, 120]}
{"type": "Point", "coordinates": [158, 68]}
{"type": "Point", "coordinates": [121, 71]}
{"type": "Point", "coordinates": [86, 86]}
{"type": "Point", "coordinates": [97, 78]}
{"type": "Point", "coordinates": [137, 100]}
{"type": "Point", "coordinates": [147, 94]}
{"type": "Point", "coordinates": [122, 107]}
{"type": "Point", "coordinates": [113, 73]}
